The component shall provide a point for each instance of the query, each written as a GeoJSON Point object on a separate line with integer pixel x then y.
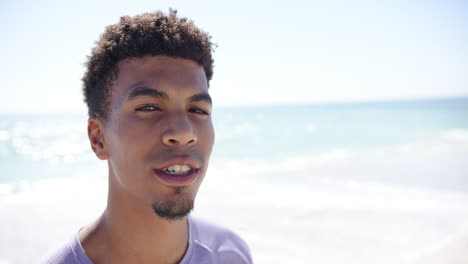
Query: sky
{"type": "Point", "coordinates": [269, 52]}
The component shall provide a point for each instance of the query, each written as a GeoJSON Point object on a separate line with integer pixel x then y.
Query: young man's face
{"type": "Point", "coordinates": [158, 135]}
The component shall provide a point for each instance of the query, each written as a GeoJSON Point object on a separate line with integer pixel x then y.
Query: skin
{"type": "Point", "coordinates": [144, 131]}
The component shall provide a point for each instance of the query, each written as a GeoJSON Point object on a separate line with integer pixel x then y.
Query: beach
{"type": "Point", "coordinates": [332, 221]}
{"type": "Point", "coordinates": [454, 252]}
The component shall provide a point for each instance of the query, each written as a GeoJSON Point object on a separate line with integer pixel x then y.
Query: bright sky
{"type": "Point", "coordinates": [269, 52]}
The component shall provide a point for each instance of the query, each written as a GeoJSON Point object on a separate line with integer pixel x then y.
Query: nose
{"type": "Point", "coordinates": [179, 131]}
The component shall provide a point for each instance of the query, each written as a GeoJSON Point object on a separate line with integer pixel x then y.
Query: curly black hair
{"type": "Point", "coordinates": [146, 34]}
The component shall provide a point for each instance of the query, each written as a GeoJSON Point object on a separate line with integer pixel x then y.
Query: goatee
{"type": "Point", "coordinates": [173, 210]}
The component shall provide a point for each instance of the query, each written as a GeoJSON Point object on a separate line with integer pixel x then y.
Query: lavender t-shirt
{"type": "Point", "coordinates": [208, 244]}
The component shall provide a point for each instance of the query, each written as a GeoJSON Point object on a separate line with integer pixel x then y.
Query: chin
{"type": "Point", "coordinates": [173, 210]}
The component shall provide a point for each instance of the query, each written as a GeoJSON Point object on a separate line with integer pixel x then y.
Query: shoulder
{"type": "Point", "coordinates": [225, 245]}
{"type": "Point", "coordinates": [70, 253]}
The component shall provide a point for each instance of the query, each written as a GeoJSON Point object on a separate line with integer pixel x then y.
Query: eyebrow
{"type": "Point", "coordinates": [201, 97]}
{"type": "Point", "coordinates": [145, 91]}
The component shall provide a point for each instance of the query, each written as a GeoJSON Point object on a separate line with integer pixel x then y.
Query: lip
{"type": "Point", "coordinates": [177, 180]}
{"type": "Point", "coordinates": [180, 160]}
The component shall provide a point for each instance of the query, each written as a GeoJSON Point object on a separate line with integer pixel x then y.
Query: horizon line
{"type": "Point", "coordinates": [273, 104]}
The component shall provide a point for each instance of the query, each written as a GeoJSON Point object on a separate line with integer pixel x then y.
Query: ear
{"type": "Point", "coordinates": [96, 138]}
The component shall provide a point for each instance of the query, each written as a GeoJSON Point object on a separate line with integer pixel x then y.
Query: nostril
{"type": "Point", "coordinates": [175, 138]}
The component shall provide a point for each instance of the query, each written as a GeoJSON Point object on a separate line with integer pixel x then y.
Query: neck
{"type": "Point", "coordinates": [128, 232]}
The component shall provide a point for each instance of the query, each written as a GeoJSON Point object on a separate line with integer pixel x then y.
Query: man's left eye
{"type": "Point", "coordinates": [199, 111]}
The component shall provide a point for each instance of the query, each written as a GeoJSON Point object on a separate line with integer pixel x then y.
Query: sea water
{"type": "Point", "coordinates": [372, 182]}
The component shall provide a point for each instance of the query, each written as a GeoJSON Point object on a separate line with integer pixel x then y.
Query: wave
{"type": "Point", "coordinates": [441, 162]}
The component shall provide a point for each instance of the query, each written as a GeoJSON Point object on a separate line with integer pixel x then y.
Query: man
{"type": "Point", "coordinates": [146, 88]}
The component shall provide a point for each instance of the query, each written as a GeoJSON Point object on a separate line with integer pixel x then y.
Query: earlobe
{"type": "Point", "coordinates": [96, 138]}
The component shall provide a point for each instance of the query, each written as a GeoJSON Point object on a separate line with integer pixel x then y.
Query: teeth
{"type": "Point", "coordinates": [177, 169]}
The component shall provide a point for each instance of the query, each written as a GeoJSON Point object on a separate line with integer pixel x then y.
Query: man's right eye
{"type": "Point", "coordinates": [148, 108]}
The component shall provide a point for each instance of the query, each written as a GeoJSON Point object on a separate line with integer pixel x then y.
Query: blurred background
{"type": "Point", "coordinates": [341, 127]}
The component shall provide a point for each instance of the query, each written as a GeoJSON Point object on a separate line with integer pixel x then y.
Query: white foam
{"type": "Point", "coordinates": [458, 135]}
{"type": "Point", "coordinates": [237, 131]}
{"type": "Point", "coordinates": [46, 139]}
{"type": "Point", "coordinates": [4, 135]}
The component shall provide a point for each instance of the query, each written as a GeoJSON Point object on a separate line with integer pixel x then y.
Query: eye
{"type": "Point", "coordinates": [147, 108]}
{"type": "Point", "coordinates": [199, 111]}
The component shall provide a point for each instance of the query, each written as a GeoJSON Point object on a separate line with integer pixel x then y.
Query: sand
{"type": "Point", "coordinates": [455, 252]}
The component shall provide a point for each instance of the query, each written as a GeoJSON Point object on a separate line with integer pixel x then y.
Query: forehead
{"type": "Point", "coordinates": [172, 75]}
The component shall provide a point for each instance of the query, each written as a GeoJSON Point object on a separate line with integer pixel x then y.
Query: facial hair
{"type": "Point", "coordinates": [175, 209]}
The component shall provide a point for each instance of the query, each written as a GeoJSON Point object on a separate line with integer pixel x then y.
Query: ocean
{"type": "Point", "coordinates": [369, 182]}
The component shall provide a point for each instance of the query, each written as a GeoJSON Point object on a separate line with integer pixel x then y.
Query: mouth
{"type": "Point", "coordinates": [177, 174]}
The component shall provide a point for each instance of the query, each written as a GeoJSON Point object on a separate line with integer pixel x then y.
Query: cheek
{"type": "Point", "coordinates": [208, 136]}
{"type": "Point", "coordinates": [129, 140]}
